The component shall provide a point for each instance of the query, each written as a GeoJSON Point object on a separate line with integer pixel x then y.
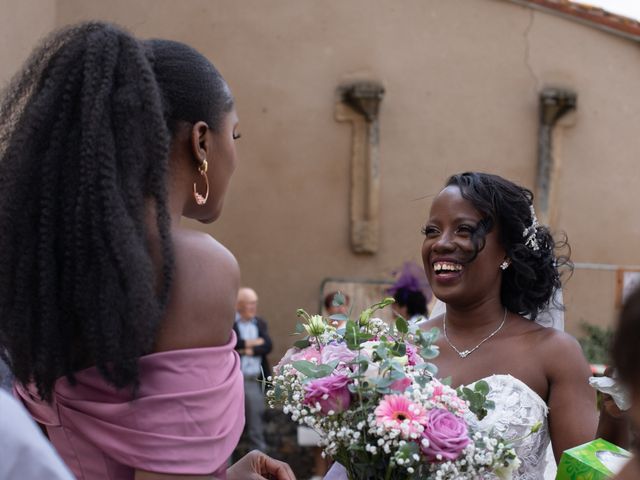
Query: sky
{"type": "Point", "coordinates": [628, 8]}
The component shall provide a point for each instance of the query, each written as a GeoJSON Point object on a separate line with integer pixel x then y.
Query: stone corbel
{"type": "Point", "coordinates": [555, 103]}
{"type": "Point", "coordinates": [359, 103]}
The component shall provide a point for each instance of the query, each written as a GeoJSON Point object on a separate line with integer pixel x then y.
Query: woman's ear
{"type": "Point", "coordinates": [199, 145]}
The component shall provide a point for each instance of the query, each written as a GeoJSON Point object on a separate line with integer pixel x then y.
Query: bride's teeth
{"type": "Point", "coordinates": [447, 267]}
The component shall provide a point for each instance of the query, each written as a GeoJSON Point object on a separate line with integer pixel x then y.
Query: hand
{"type": "Point", "coordinates": [610, 408]}
{"type": "Point", "coordinates": [255, 465]}
{"type": "Point", "coordinates": [613, 425]}
{"type": "Point", "coordinates": [608, 405]}
{"type": "Point", "coordinates": [256, 342]}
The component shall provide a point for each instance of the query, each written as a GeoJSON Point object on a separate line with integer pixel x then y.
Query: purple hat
{"type": "Point", "coordinates": [411, 278]}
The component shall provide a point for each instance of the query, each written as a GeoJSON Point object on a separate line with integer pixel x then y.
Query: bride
{"type": "Point", "coordinates": [487, 258]}
{"type": "Point", "coordinates": [495, 267]}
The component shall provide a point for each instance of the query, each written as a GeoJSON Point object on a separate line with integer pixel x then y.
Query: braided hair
{"type": "Point", "coordinates": [85, 130]}
{"type": "Point", "coordinates": [533, 276]}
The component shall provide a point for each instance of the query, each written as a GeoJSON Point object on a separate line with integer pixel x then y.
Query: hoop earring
{"type": "Point", "coordinates": [504, 265]}
{"type": "Point", "coordinates": [199, 198]}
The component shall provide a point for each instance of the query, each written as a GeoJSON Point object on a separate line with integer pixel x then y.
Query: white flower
{"type": "Point", "coordinates": [316, 326]}
{"type": "Point", "coordinates": [506, 473]}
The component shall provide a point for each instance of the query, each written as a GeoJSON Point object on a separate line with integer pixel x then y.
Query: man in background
{"type": "Point", "coordinates": [253, 346]}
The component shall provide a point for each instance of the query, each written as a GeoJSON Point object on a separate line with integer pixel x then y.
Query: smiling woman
{"type": "Point", "coordinates": [495, 268]}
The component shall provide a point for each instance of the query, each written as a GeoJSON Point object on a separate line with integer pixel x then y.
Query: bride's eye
{"type": "Point", "coordinates": [236, 136]}
{"type": "Point", "coordinates": [429, 231]}
{"type": "Point", "coordinates": [466, 229]}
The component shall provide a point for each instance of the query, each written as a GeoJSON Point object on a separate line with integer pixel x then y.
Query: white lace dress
{"type": "Point", "coordinates": [517, 409]}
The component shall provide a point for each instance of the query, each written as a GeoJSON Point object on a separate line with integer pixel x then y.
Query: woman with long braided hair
{"type": "Point", "coordinates": [115, 321]}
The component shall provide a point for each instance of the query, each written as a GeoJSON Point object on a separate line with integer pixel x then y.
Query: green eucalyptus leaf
{"type": "Point", "coordinates": [399, 349]}
{"type": "Point", "coordinates": [482, 387]}
{"type": "Point", "coordinates": [467, 392]}
{"type": "Point", "coordinates": [363, 365]}
{"type": "Point", "coordinates": [351, 332]}
{"type": "Point", "coordinates": [299, 328]}
{"type": "Point", "coordinates": [338, 300]}
{"type": "Point", "coordinates": [431, 368]}
{"type": "Point", "coordinates": [401, 325]}
{"type": "Point", "coordinates": [302, 343]}
{"type": "Point", "coordinates": [305, 367]}
{"type": "Point", "coordinates": [312, 370]}
{"type": "Point", "coordinates": [430, 352]}
{"type": "Point", "coordinates": [383, 383]}
{"type": "Point", "coordinates": [382, 351]}
{"type": "Point", "coordinates": [408, 450]}
{"type": "Point", "coordinates": [430, 336]}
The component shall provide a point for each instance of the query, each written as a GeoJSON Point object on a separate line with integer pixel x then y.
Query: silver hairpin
{"type": "Point", "coordinates": [529, 233]}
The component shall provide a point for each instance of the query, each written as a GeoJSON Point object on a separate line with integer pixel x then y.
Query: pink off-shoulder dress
{"type": "Point", "coordinates": [186, 417]}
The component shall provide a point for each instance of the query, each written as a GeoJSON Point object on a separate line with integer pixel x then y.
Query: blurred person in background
{"type": "Point", "coordinates": [336, 303]}
{"type": "Point", "coordinates": [411, 293]}
{"type": "Point", "coordinates": [625, 353]}
{"type": "Point", "coordinates": [253, 345]}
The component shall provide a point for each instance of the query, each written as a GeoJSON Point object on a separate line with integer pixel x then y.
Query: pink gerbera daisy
{"type": "Point", "coordinates": [398, 412]}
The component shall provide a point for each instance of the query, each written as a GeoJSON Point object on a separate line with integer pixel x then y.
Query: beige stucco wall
{"type": "Point", "coordinates": [22, 24]}
{"type": "Point", "coordinates": [461, 80]}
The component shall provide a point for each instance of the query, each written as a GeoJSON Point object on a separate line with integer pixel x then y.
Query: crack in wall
{"type": "Point", "coordinates": [527, 51]}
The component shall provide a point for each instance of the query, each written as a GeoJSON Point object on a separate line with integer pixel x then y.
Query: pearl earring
{"type": "Point", "coordinates": [504, 265]}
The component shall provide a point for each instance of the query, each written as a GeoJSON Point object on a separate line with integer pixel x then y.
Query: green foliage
{"type": "Point", "coordinates": [312, 370]}
{"type": "Point", "coordinates": [477, 398]}
{"type": "Point", "coordinates": [304, 343]}
{"type": "Point", "coordinates": [354, 337]}
{"type": "Point", "coordinates": [596, 343]}
{"type": "Point", "coordinates": [402, 325]}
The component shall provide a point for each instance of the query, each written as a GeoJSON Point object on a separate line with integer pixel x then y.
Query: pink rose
{"type": "Point", "coordinates": [447, 435]}
{"type": "Point", "coordinates": [332, 393]}
{"type": "Point", "coordinates": [401, 385]}
{"type": "Point", "coordinates": [338, 352]}
{"type": "Point", "coordinates": [308, 354]}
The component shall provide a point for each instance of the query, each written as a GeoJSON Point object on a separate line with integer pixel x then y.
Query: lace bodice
{"type": "Point", "coordinates": [517, 409]}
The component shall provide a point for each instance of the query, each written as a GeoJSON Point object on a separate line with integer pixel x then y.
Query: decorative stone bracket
{"type": "Point", "coordinates": [359, 103]}
{"type": "Point", "coordinates": [554, 104]}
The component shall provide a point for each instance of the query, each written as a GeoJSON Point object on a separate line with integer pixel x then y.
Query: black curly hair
{"type": "Point", "coordinates": [85, 130]}
{"type": "Point", "coordinates": [624, 351]}
{"type": "Point", "coordinates": [533, 276]}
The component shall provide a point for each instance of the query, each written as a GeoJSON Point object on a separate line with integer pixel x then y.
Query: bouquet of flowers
{"type": "Point", "coordinates": [370, 392]}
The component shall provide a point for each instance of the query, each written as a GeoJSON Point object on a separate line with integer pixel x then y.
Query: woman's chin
{"type": "Point", "coordinates": [209, 216]}
{"type": "Point", "coordinates": [208, 220]}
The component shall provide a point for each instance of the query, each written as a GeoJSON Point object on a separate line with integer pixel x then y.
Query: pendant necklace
{"type": "Point", "coordinates": [466, 353]}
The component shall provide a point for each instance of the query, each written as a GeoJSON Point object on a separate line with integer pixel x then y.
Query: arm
{"type": "Point", "coordinates": [572, 402]}
{"type": "Point", "coordinates": [265, 347]}
{"type": "Point", "coordinates": [613, 425]}
{"type": "Point", "coordinates": [252, 466]}
{"type": "Point", "coordinates": [145, 475]}
{"type": "Point", "coordinates": [240, 343]}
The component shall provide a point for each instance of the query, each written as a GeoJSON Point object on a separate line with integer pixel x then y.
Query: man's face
{"type": "Point", "coordinates": [247, 305]}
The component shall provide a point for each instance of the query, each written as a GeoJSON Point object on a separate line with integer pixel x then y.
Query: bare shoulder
{"type": "Point", "coordinates": [561, 354]}
{"type": "Point", "coordinates": [202, 305]}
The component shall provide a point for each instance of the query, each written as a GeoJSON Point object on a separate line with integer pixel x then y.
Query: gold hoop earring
{"type": "Point", "coordinates": [199, 198]}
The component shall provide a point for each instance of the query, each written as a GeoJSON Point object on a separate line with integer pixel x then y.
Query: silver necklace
{"type": "Point", "coordinates": [466, 353]}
